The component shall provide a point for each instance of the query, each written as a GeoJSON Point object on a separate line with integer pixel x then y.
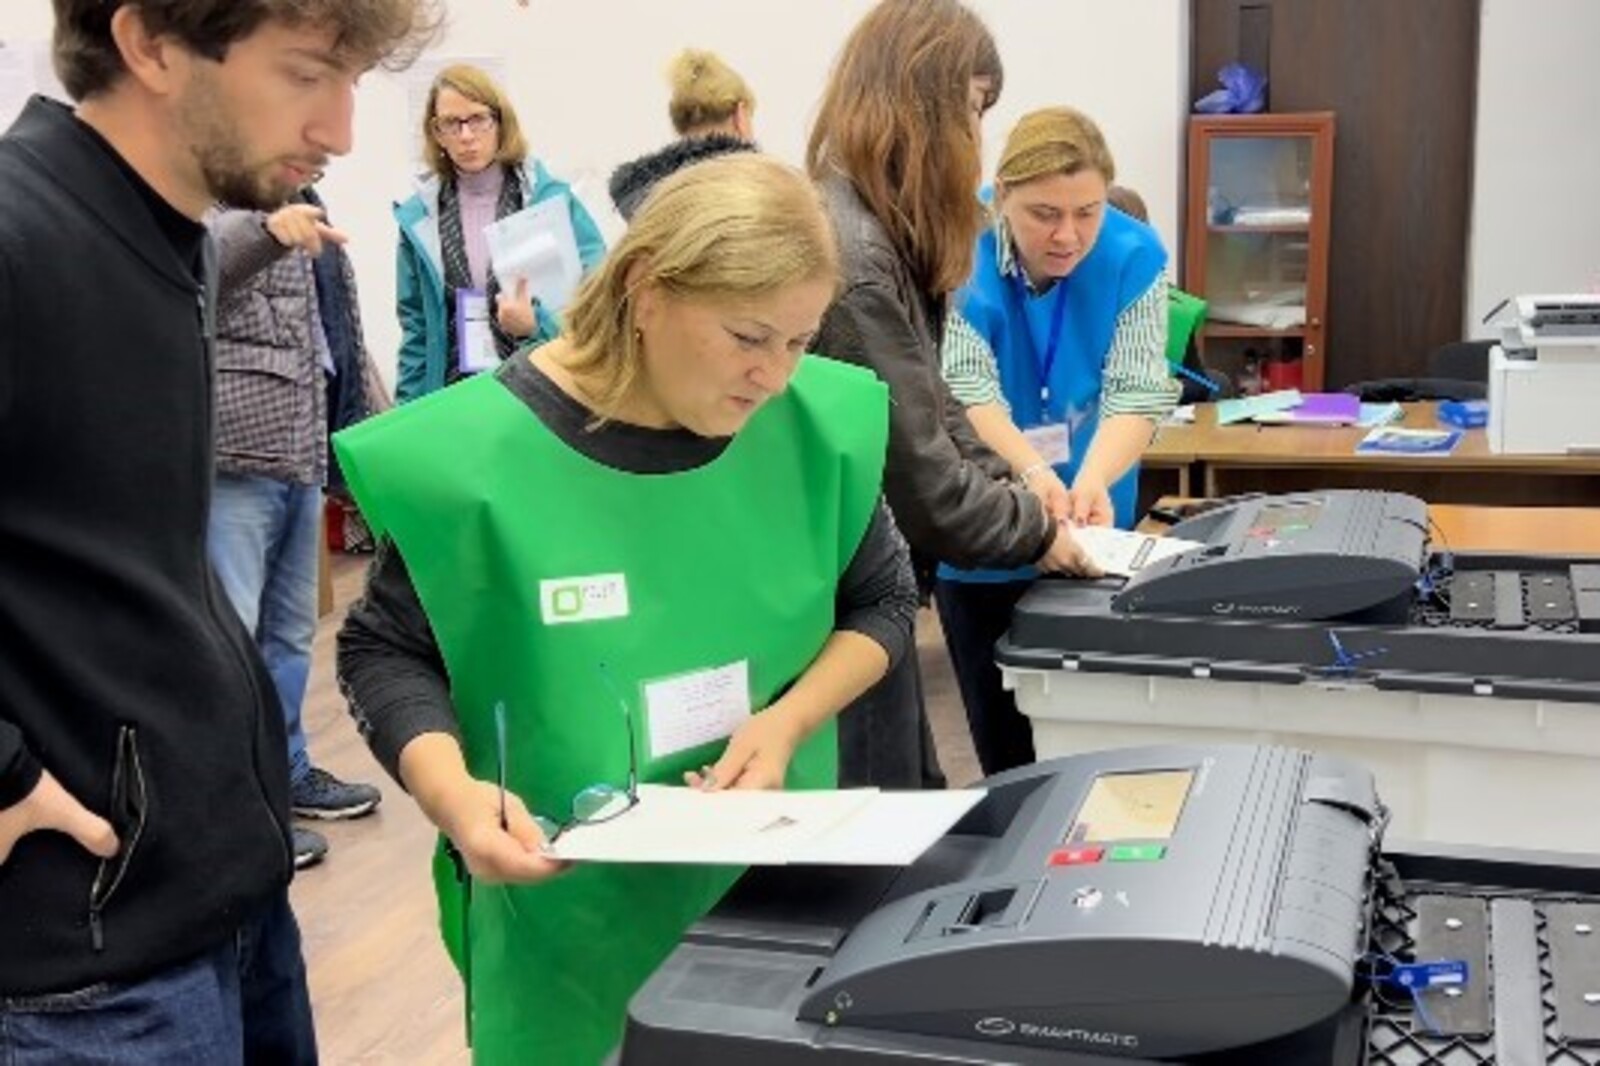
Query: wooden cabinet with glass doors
{"type": "Point", "coordinates": [1256, 244]}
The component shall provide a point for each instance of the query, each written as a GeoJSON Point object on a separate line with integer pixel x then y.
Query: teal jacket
{"type": "Point", "coordinates": [420, 297]}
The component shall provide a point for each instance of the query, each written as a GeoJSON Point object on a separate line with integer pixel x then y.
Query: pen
{"type": "Point", "coordinates": [1199, 379]}
{"type": "Point", "coordinates": [500, 757]}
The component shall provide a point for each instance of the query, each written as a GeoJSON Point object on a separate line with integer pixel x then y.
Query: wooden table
{"type": "Point", "coordinates": [1218, 460]}
{"type": "Point", "coordinates": [1463, 527]}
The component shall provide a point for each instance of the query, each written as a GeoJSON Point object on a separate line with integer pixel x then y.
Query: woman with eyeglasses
{"type": "Point", "coordinates": [896, 150]}
{"type": "Point", "coordinates": [479, 172]}
{"type": "Point", "coordinates": [654, 551]}
{"type": "Point", "coordinates": [1065, 327]}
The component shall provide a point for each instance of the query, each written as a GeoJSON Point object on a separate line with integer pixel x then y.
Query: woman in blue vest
{"type": "Point", "coordinates": [1069, 298]}
{"type": "Point", "coordinates": [668, 499]}
{"type": "Point", "coordinates": [479, 172]}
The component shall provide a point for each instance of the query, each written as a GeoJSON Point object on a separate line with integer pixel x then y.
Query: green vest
{"type": "Point", "coordinates": [515, 543]}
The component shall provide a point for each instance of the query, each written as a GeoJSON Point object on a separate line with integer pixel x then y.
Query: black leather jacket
{"type": "Point", "coordinates": [949, 492]}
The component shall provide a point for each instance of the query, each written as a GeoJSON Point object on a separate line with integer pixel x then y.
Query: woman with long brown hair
{"type": "Point", "coordinates": [896, 148]}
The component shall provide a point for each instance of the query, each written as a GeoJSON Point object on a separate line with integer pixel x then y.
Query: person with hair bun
{"type": "Point", "coordinates": [713, 111]}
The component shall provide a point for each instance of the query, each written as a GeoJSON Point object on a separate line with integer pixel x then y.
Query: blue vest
{"type": "Point", "coordinates": [1125, 261]}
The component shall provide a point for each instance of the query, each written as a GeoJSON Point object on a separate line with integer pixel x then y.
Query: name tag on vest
{"type": "Point", "coordinates": [595, 598]}
{"type": "Point", "coordinates": [1052, 442]}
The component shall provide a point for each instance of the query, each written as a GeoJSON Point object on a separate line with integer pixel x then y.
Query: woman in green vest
{"type": "Point", "coordinates": [669, 492]}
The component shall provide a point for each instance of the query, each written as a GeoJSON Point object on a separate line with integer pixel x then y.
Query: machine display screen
{"type": "Point", "coordinates": [1290, 516]}
{"type": "Point", "coordinates": [1132, 806]}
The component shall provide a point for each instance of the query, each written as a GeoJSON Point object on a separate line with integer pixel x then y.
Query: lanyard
{"type": "Point", "coordinates": [1047, 362]}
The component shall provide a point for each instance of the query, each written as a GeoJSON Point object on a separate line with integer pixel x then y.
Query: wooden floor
{"type": "Point", "coordinates": [381, 986]}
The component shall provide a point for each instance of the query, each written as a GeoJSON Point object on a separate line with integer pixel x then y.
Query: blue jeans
{"type": "Point", "coordinates": [244, 1003]}
{"type": "Point", "coordinates": [262, 541]}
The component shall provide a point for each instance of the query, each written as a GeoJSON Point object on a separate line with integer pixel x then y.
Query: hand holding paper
{"type": "Point", "coordinates": [1124, 553]}
{"type": "Point", "coordinates": [514, 311]}
{"type": "Point", "coordinates": [757, 755]}
{"type": "Point", "coordinates": [1091, 503]}
{"type": "Point", "coordinates": [537, 245]}
{"type": "Point", "coordinates": [1066, 555]}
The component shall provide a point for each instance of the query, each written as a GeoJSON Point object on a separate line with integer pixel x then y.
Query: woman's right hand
{"type": "Point", "coordinates": [1066, 556]}
{"type": "Point", "coordinates": [1052, 492]}
{"type": "Point", "coordinates": [469, 814]}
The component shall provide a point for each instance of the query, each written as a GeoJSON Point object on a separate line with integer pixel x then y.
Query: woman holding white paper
{"type": "Point", "coordinates": [590, 575]}
{"type": "Point", "coordinates": [458, 314]}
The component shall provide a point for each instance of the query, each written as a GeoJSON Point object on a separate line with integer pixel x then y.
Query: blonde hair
{"type": "Point", "coordinates": [705, 91]}
{"type": "Point", "coordinates": [1054, 140]}
{"type": "Point", "coordinates": [477, 86]}
{"type": "Point", "coordinates": [735, 226]}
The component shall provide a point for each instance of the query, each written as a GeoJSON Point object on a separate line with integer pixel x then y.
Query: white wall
{"type": "Point", "coordinates": [588, 82]}
{"type": "Point", "coordinates": [1536, 181]}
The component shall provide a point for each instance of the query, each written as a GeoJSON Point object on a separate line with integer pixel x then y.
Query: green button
{"type": "Point", "coordinates": [1136, 852]}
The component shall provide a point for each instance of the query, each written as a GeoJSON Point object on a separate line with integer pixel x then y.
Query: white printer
{"type": "Point", "coordinates": [1544, 377]}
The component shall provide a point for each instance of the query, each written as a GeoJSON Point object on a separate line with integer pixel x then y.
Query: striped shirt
{"type": "Point", "coordinates": [1136, 381]}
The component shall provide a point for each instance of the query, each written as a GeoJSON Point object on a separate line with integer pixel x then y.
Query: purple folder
{"type": "Point", "coordinates": [1328, 407]}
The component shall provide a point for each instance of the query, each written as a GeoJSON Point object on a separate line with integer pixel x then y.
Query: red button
{"type": "Point", "coordinates": [1076, 856]}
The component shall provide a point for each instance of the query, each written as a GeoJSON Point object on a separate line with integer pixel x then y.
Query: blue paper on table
{"type": "Point", "coordinates": [1398, 440]}
{"type": "Point", "coordinates": [1380, 414]}
{"type": "Point", "coordinates": [1248, 407]}
{"type": "Point", "coordinates": [1243, 92]}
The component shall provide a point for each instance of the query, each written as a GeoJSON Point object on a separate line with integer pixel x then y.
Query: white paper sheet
{"type": "Point", "coordinates": [1124, 553]}
{"type": "Point", "coordinates": [857, 827]}
{"type": "Point", "coordinates": [537, 244]}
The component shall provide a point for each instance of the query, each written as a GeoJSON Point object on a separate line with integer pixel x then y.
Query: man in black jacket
{"type": "Point", "coordinates": [136, 721]}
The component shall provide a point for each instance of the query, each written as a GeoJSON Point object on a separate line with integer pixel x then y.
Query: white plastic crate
{"type": "Point", "coordinates": [1461, 769]}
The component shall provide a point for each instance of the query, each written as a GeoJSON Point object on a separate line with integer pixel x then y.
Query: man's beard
{"type": "Point", "coordinates": [229, 177]}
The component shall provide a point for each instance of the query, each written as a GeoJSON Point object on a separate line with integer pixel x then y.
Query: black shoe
{"type": "Point", "coordinates": [321, 795]}
{"type": "Point", "coordinates": [310, 847]}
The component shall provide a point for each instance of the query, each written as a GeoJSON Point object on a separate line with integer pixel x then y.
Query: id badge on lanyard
{"type": "Point", "coordinates": [475, 347]}
{"type": "Point", "coordinates": [1051, 438]}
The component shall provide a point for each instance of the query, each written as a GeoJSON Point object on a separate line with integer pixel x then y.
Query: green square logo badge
{"type": "Point", "coordinates": [593, 598]}
{"type": "Point", "coordinates": [566, 601]}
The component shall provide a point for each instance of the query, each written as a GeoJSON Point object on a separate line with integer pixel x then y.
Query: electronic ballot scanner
{"type": "Point", "coordinates": [1148, 904]}
{"type": "Point", "coordinates": [1306, 556]}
